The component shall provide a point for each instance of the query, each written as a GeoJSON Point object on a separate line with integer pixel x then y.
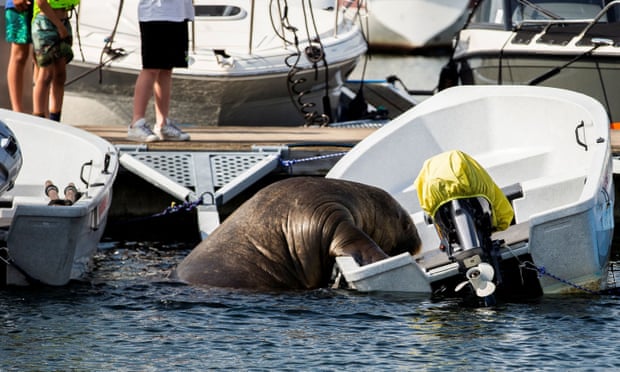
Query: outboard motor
{"type": "Point", "coordinates": [465, 227]}
{"type": "Point", "coordinates": [10, 158]}
{"type": "Point", "coordinates": [466, 206]}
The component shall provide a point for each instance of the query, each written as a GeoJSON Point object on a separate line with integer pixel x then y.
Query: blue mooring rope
{"type": "Point", "coordinates": [186, 206]}
{"type": "Point", "coordinates": [543, 271]}
{"type": "Point", "coordinates": [290, 163]}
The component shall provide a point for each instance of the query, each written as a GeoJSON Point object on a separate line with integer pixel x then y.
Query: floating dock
{"type": "Point", "coordinates": [220, 167]}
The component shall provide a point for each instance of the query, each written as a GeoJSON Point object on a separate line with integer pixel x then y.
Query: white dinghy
{"type": "Point", "coordinates": [548, 149]}
{"type": "Point", "coordinates": [251, 62]}
{"type": "Point", "coordinates": [53, 244]}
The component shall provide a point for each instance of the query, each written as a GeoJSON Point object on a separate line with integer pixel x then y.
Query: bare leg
{"type": "Point", "coordinates": [57, 87]}
{"type": "Point", "coordinates": [143, 92]}
{"type": "Point", "coordinates": [40, 96]}
{"type": "Point", "coordinates": [15, 74]}
{"type": "Point", "coordinates": [163, 91]}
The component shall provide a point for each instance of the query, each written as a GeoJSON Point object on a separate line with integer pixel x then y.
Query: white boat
{"type": "Point", "coordinates": [570, 44]}
{"type": "Point", "coordinates": [45, 244]}
{"type": "Point", "coordinates": [547, 148]}
{"type": "Point", "coordinates": [406, 25]}
{"type": "Point", "coordinates": [252, 62]}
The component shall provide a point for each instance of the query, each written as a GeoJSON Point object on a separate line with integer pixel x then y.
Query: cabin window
{"type": "Point", "coordinates": [508, 13]}
{"type": "Point", "coordinates": [489, 12]}
{"type": "Point", "coordinates": [218, 11]}
{"type": "Point", "coordinates": [555, 10]}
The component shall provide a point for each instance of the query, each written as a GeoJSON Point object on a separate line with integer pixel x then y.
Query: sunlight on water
{"type": "Point", "coordinates": [129, 316]}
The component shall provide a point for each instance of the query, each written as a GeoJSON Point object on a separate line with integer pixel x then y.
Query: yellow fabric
{"type": "Point", "coordinates": [455, 175]}
{"type": "Point", "coordinates": [57, 4]}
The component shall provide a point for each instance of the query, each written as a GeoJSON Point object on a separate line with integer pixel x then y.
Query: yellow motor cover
{"type": "Point", "coordinates": [456, 175]}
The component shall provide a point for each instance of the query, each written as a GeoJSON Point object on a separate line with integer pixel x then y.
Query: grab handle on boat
{"type": "Point", "coordinates": [579, 141]}
{"type": "Point", "coordinates": [106, 164]}
{"type": "Point", "coordinates": [87, 164]}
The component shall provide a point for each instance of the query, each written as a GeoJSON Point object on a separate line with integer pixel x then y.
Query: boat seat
{"type": "Point", "coordinates": [513, 234]}
{"type": "Point", "coordinates": [514, 191]}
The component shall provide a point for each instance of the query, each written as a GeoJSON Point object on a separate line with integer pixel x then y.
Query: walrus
{"type": "Point", "coordinates": [288, 234]}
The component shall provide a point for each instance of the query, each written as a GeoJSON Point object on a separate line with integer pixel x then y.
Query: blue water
{"type": "Point", "coordinates": [129, 317]}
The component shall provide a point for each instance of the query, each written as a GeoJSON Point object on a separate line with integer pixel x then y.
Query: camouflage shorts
{"type": "Point", "coordinates": [18, 26]}
{"type": "Point", "coordinates": [48, 48]}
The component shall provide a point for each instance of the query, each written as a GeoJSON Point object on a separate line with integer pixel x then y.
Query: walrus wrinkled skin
{"type": "Point", "coordinates": [288, 235]}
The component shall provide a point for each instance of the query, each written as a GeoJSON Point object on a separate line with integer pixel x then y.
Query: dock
{"type": "Point", "coordinates": [242, 138]}
{"type": "Point", "coordinates": [219, 168]}
{"type": "Point", "coordinates": [228, 164]}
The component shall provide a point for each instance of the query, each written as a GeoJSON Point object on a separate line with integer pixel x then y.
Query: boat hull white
{"type": "Point", "coordinates": [238, 100]}
{"type": "Point", "coordinates": [554, 144]}
{"type": "Point", "coordinates": [405, 25]}
{"type": "Point", "coordinates": [55, 244]}
{"type": "Point", "coordinates": [241, 72]}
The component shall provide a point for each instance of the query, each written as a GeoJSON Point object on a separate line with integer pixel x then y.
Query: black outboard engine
{"type": "Point", "coordinates": [466, 206]}
{"type": "Point", "coordinates": [464, 227]}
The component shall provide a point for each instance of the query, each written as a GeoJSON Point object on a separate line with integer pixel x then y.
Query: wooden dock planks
{"type": "Point", "coordinates": [242, 138]}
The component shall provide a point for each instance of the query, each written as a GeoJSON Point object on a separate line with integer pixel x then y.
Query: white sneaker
{"type": "Point", "coordinates": [170, 132]}
{"type": "Point", "coordinates": [141, 132]}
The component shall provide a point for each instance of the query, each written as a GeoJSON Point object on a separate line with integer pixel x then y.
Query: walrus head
{"type": "Point", "coordinates": [397, 234]}
{"type": "Point", "coordinates": [374, 213]}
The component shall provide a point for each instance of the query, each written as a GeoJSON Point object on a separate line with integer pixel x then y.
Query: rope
{"type": "Point", "coordinates": [542, 271]}
{"type": "Point", "coordinates": [291, 162]}
{"type": "Point", "coordinates": [186, 206]}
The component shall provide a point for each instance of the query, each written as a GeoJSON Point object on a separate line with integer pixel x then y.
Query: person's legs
{"type": "Point", "coordinates": [138, 129]}
{"type": "Point", "coordinates": [143, 91]}
{"type": "Point", "coordinates": [163, 91]}
{"type": "Point", "coordinates": [40, 95]}
{"type": "Point", "coordinates": [57, 88]}
{"type": "Point", "coordinates": [164, 128]}
{"type": "Point", "coordinates": [20, 55]}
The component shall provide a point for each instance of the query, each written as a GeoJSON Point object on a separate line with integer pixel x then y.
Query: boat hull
{"type": "Point", "coordinates": [220, 100]}
{"type": "Point", "coordinates": [405, 25]}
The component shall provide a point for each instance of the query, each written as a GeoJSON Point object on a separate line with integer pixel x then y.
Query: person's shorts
{"type": "Point", "coordinates": [164, 44]}
{"type": "Point", "coordinates": [48, 48]}
{"type": "Point", "coordinates": [18, 26]}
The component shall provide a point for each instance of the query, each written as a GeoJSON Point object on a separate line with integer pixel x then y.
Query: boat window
{"type": "Point", "coordinates": [528, 10]}
{"type": "Point", "coordinates": [490, 12]}
{"type": "Point", "coordinates": [217, 11]}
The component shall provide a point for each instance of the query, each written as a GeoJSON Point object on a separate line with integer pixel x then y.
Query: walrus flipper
{"type": "Point", "coordinates": [349, 240]}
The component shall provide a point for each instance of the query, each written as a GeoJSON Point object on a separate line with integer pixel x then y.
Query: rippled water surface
{"type": "Point", "coordinates": [128, 316]}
